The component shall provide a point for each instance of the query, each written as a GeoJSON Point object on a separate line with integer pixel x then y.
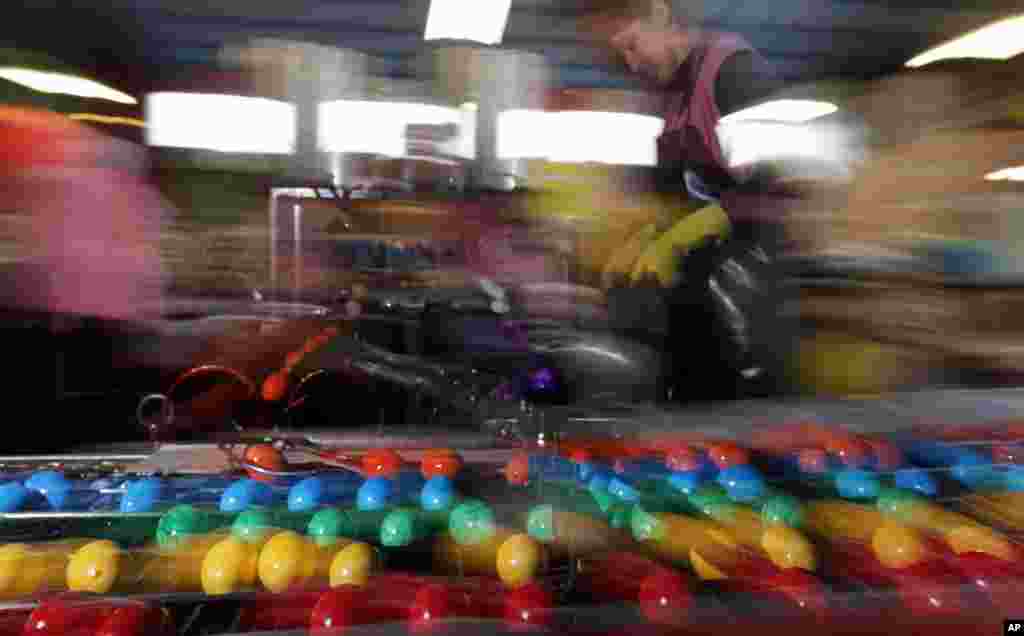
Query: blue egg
{"type": "Point", "coordinates": [971, 469]}
{"type": "Point", "coordinates": [14, 497]}
{"type": "Point", "coordinates": [916, 480]}
{"type": "Point", "coordinates": [142, 495]}
{"type": "Point", "coordinates": [246, 493]}
{"type": "Point", "coordinates": [742, 482]}
{"type": "Point", "coordinates": [408, 485]}
{"type": "Point", "coordinates": [52, 485]}
{"type": "Point", "coordinates": [686, 481]}
{"type": "Point", "coordinates": [306, 495]}
{"type": "Point", "coordinates": [584, 471]}
{"type": "Point", "coordinates": [854, 483]}
{"type": "Point", "coordinates": [620, 488]}
{"type": "Point", "coordinates": [375, 494]}
{"type": "Point", "coordinates": [1013, 479]}
{"type": "Point", "coordinates": [437, 494]}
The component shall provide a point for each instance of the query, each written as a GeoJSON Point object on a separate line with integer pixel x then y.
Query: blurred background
{"type": "Point", "coordinates": [316, 150]}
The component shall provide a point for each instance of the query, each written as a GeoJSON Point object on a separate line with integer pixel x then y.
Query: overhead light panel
{"type": "Point", "coordinates": [791, 111]}
{"type": "Point", "coordinates": [997, 41]}
{"type": "Point", "coordinates": [475, 20]}
{"type": "Point", "coordinates": [61, 84]}
{"type": "Point", "coordinates": [1007, 174]}
{"type": "Point", "coordinates": [569, 137]}
{"type": "Point", "coordinates": [222, 123]}
{"type": "Point", "coordinates": [380, 128]}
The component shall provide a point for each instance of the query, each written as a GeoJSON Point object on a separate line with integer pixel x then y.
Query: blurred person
{"type": "Point", "coordinates": [87, 268]}
{"type": "Point", "coordinates": [709, 258]}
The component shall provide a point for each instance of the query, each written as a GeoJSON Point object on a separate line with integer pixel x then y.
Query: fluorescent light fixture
{"type": "Point", "coordinates": [1007, 174]}
{"type": "Point", "coordinates": [783, 110]}
{"type": "Point", "coordinates": [59, 83]}
{"type": "Point", "coordinates": [827, 148]}
{"type": "Point", "coordinates": [997, 41]}
{"type": "Point", "coordinates": [108, 119]}
{"type": "Point", "coordinates": [469, 106]}
{"type": "Point", "coordinates": [571, 137]}
{"type": "Point", "coordinates": [371, 127]}
{"type": "Point", "coordinates": [477, 20]}
{"type": "Point", "coordinates": [223, 123]}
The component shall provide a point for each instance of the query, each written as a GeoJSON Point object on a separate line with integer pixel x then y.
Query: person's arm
{"type": "Point", "coordinates": [743, 80]}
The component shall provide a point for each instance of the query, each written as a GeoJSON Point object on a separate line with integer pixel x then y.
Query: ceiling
{"type": "Point", "coordinates": [135, 43]}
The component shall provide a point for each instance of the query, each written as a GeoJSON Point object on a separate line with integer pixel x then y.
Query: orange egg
{"type": "Point", "coordinates": [517, 471]}
{"type": "Point", "coordinates": [292, 360]}
{"type": "Point", "coordinates": [381, 462]}
{"type": "Point", "coordinates": [275, 387]}
{"type": "Point", "coordinates": [440, 461]}
{"type": "Point", "coordinates": [265, 456]}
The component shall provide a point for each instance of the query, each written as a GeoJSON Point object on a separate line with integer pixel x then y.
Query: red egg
{"type": "Point", "coordinates": [528, 605]}
{"type": "Point", "coordinates": [381, 462]}
{"type": "Point", "coordinates": [337, 609]}
{"type": "Point", "coordinates": [580, 455]}
{"type": "Point", "coordinates": [803, 588]}
{"type": "Point", "coordinates": [683, 459]}
{"type": "Point", "coordinates": [930, 588]}
{"type": "Point", "coordinates": [726, 454]}
{"type": "Point", "coordinates": [1007, 454]}
{"type": "Point", "coordinates": [432, 602]}
{"type": "Point", "coordinates": [442, 462]}
{"type": "Point", "coordinates": [850, 451]}
{"type": "Point", "coordinates": [517, 470]}
{"type": "Point", "coordinates": [264, 456]}
{"type": "Point", "coordinates": [665, 597]}
{"type": "Point", "coordinates": [137, 620]}
{"type": "Point", "coordinates": [275, 387]}
{"type": "Point", "coordinates": [812, 460]}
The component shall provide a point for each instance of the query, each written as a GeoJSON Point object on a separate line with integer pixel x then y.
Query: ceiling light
{"type": "Point", "coordinates": [59, 83]}
{"type": "Point", "coordinates": [783, 110]}
{"type": "Point", "coordinates": [1007, 174]}
{"type": "Point", "coordinates": [568, 137]}
{"type": "Point", "coordinates": [997, 41]}
{"type": "Point", "coordinates": [380, 128]}
{"type": "Point", "coordinates": [471, 106]}
{"type": "Point", "coordinates": [479, 21]}
{"type": "Point", "coordinates": [223, 123]}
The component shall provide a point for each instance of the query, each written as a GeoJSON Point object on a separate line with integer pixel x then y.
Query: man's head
{"type": "Point", "coordinates": [652, 37]}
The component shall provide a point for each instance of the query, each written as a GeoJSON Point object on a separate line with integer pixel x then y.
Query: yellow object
{"type": "Point", "coordinates": [289, 559]}
{"type": "Point", "coordinates": [662, 257]}
{"type": "Point", "coordinates": [897, 546]}
{"type": "Point", "coordinates": [230, 566]}
{"type": "Point", "coordinates": [96, 567]}
{"type": "Point", "coordinates": [843, 520]}
{"type": "Point", "coordinates": [518, 560]}
{"type": "Point", "coordinates": [960, 532]}
{"type": "Point", "coordinates": [975, 538]}
{"type": "Point", "coordinates": [839, 365]}
{"type": "Point", "coordinates": [1002, 508]}
{"type": "Point", "coordinates": [578, 534]}
{"type": "Point", "coordinates": [515, 558]}
{"type": "Point", "coordinates": [30, 569]}
{"type": "Point", "coordinates": [788, 548]}
{"type": "Point", "coordinates": [702, 544]}
{"type": "Point", "coordinates": [354, 564]}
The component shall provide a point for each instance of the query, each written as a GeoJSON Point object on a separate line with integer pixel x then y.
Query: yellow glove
{"type": "Point", "coordinates": [661, 259]}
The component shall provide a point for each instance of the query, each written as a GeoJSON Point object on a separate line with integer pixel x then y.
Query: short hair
{"type": "Point", "coordinates": [682, 11]}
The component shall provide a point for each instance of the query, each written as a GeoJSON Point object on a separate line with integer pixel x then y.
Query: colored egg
{"type": "Point", "coordinates": [916, 480]}
{"type": "Point", "coordinates": [14, 497]}
{"type": "Point", "coordinates": [707, 497]}
{"type": "Point", "coordinates": [788, 548]}
{"type": "Point", "coordinates": [622, 489]}
{"type": "Point", "coordinates": [353, 565]}
{"type": "Point", "coordinates": [784, 509]}
{"type": "Point", "coordinates": [528, 604]}
{"type": "Point", "coordinates": [742, 482]}
{"type": "Point", "coordinates": [685, 482]}
{"type": "Point", "coordinates": [813, 461]}
{"type": "Point", "coordinates": [519, 559]}
{"type": "Point", "coordinates": [883, 455]}
{"type": "Point", "coordinates": [440, 463]}
{"type": "Point", "coordinates": [230, 566]}
{"type": "Point", "coordinates": [94, 567]}
{"type": "Point", "coordinates": [517, 470]}
{"type": "Point", "coordinates": [275, 386]}
{"type": "Point", "coordinates": [971, 469]}
{"type": "Point", "coordinates": [726, 454]}
{"type": "Point", "coordinates": [977, 538]}
{"type": "Point", "coordinates": [850, 451]}
{"type": "Point", "coordinates": [664, 597]}
{"type": "Point", "coordinates": [854, 483]}
{"type": "Point", "coordinates": [1007, 454]}
{"type": "Point", "coordinates": [53, 486]}
{"type": "Point", "coordinates": [898, 546]}
{"type": "Point", "coordinates": [684, 459]}
{"type": "Point", "coordinates": [375, 493]}
{"type": "Point", "coordinates": [245, 493]}
{"type": "Point", "coordinates": [1013, 479]}
{"type": "Point", "coordinates": [471, 522]}
{"type": "Point", "coordinates": [286, 559]}
{"type": "Point", "coordinates": [382, 462]}
{"type": "Point", "coordinates": [143, 495]}
{"type": "Point", "coordinates": [438, 493]}
{"type": "Point", "coordinates": [264, 456]}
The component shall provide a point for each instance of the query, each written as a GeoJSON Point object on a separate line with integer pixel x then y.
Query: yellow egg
{"type": "Point", "coordinates": [788, 548]}
{"type": "Point", "coordinates": [975, 538]}
{"type": "Point", "coordinates": [705, 569]}
{"type": "Point", "coordinates": [897, 546]}
{"type": "Point", "coordinates": [518, 560]}
{"type": "Point", "coordinates": [95, 567]}
{"type": "Point", "coordinates": [286, 559]}
{"type": "Point", "coordinates": [12, 558]}
{"type": "Point", "coordinates": [230, 566]}
{"type": "Point", "coordinates": [353, 565]}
